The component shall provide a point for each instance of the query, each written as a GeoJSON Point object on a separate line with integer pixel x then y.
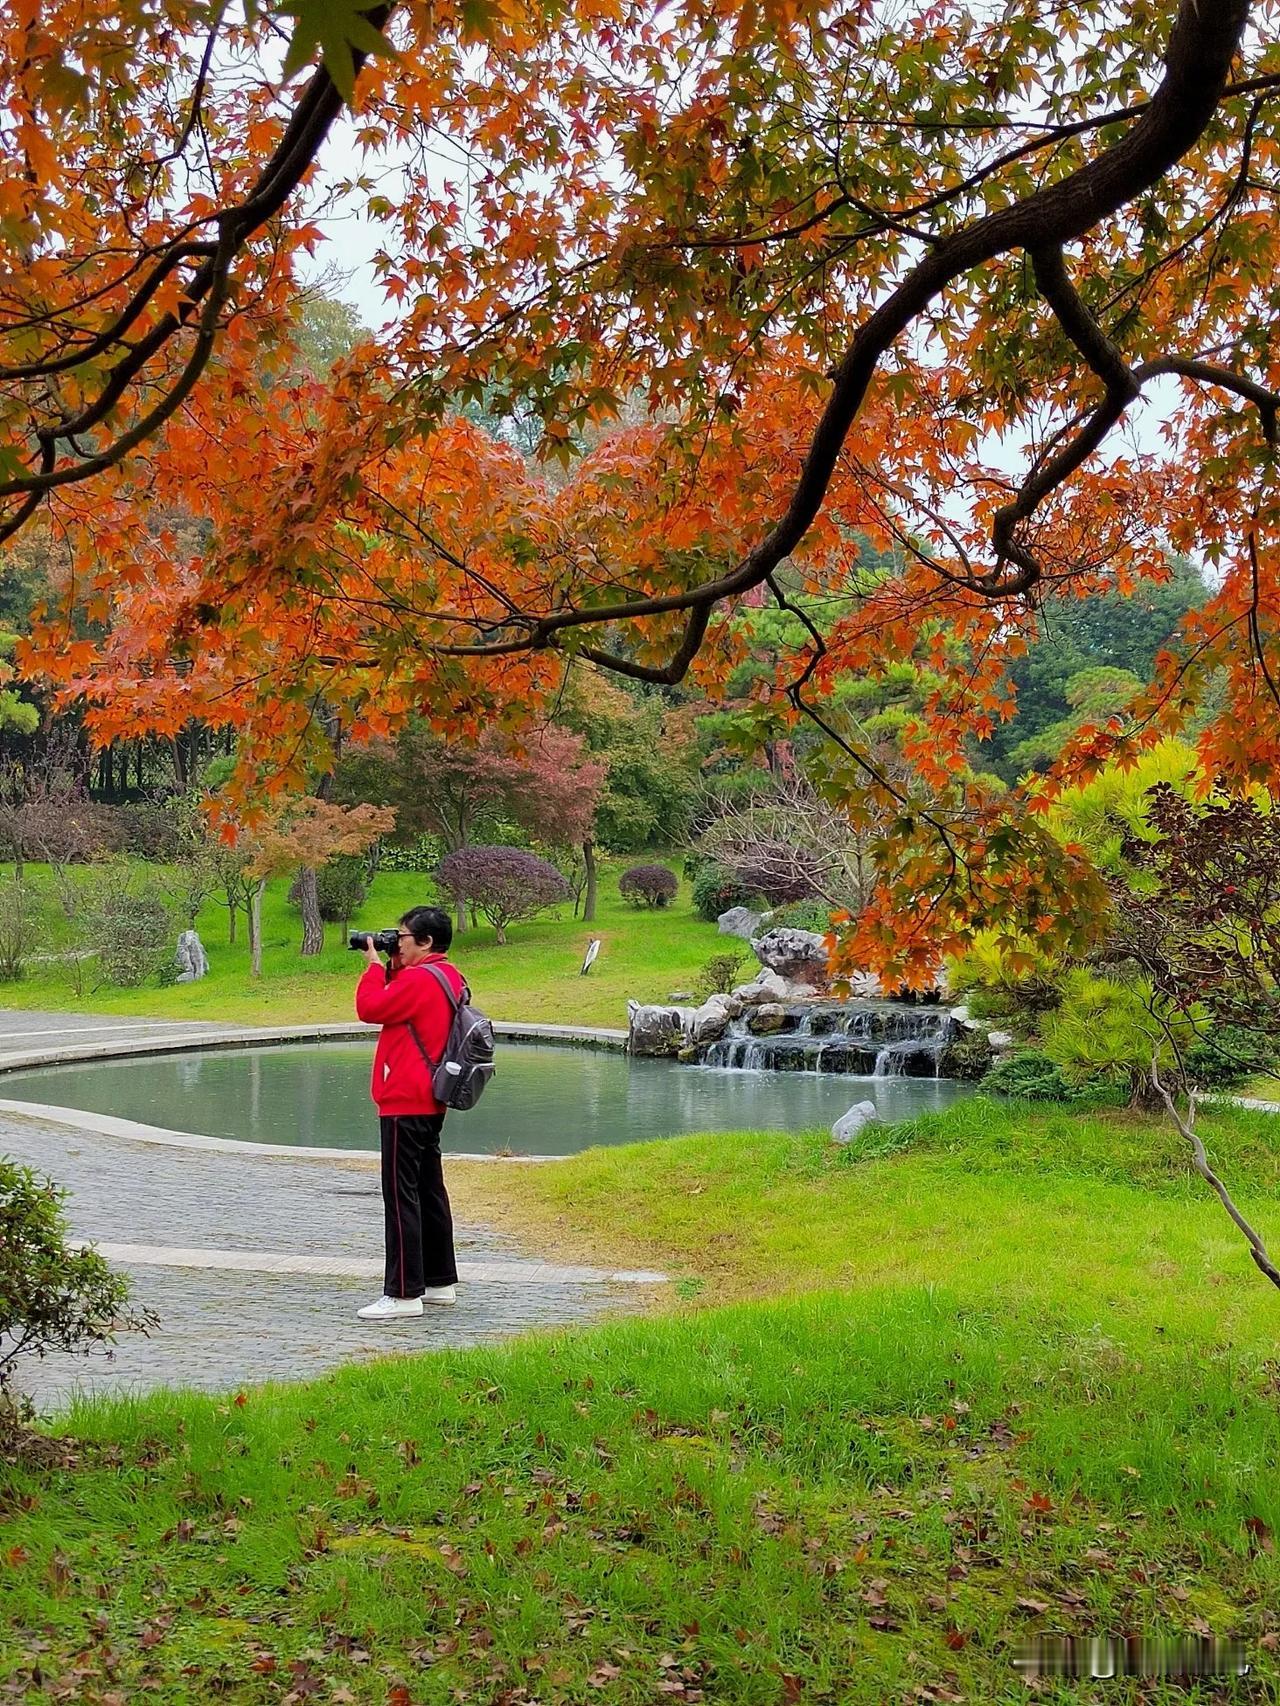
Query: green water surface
{"type": "Point", "coordinates": [544, 1100]}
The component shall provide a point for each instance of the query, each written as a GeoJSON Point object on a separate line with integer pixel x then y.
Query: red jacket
{"type": "Point", "coordinates": [401, 1079]}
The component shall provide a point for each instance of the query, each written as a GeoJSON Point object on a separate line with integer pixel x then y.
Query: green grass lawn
{"type": "Point", "coordinates": [992, 1372]}
{"type": "Point", "coordinates": [1025, 1381]}
{"type": "Point", "coordinates": [535, 976]}
{"type": "Point", "coordinates": [1036, 1208]}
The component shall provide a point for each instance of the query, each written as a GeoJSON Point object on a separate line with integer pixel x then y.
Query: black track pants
{"type": "Point", "coordinates": [419, 1226]}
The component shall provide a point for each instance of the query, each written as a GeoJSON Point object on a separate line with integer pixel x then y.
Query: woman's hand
{"type": "Point", "coordinates": [370, 952]}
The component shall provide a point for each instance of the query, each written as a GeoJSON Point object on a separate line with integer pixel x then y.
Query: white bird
{"type": "Point", "coordinates": [593, 948]}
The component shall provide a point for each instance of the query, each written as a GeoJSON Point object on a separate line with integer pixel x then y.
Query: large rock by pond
{"type": "Point", "coordinates": [656, 1030]}
{"type": "Point", "coordinates": [769, 1017]}
{"type": "Point", "coordinates": [708, 1023]}
{"type": "Point", "coordinates": [766, 986]}
{"type": "Point", "coordinates": [799, 957]}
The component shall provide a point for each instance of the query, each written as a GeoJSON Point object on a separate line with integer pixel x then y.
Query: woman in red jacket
{"type": "Point", "coordinates": [415, 1014]}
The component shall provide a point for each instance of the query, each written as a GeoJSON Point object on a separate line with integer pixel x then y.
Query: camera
{"type": "Point", "coordinates": [384, 941]}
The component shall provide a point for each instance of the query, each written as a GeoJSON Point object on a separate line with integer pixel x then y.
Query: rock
{"type": "Point", "coordinates": [681, 995]}
{"type": "Point", "coordinates": [965, 1054]}
{"type": "Point", "coordinates": [864, 986]}
{"type": "Point", "coordinates": [799, 956]}
{"type": "Point", "coordinates": [193, 962]}
{"type": "Point", "coordinates": [960, 1015]}
{"type": "Point", "coordinates": [1001, 1039]}
{"type": "Point", "coordinates": [738, 921]}
{"type": "Point", "coordinates": [708, 1023]}
{"type": "Point", "coordinates": [769, 1017]}
{"type": "Point", "coordinates": [656, 1030]}
{"type": "Point", "coordinates": [768, 986]}
{"type": "Point", "coordinates": [849, 1125]}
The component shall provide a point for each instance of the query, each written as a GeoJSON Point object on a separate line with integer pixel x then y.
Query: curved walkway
{"type": "Point", "coordinates": [255, 1264]}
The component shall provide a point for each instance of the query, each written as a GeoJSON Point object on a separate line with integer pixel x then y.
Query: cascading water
{"type": "Point", "coordinates": [869, 1039]}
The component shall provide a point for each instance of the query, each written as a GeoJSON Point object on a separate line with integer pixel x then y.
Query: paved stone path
{"type": "Point", "coordinates": [257, 1264]}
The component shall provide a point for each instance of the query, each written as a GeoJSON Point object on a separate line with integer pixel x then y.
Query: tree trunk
{"type": "Point", "coordinates": [255, 927]}
{"type": "Point", "coordinates": [312, 923]}
{"type": "Point", "coordinates": [232, 910]}
{"type": "Point", "coordinates": [589, 860]}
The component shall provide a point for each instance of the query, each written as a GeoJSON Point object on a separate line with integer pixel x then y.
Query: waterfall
{"type": "Point", "coordinates": [867, 1039]}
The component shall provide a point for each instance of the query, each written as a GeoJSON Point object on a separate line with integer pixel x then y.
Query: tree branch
{"type": "Point", "coordinates": [1187, 1126]}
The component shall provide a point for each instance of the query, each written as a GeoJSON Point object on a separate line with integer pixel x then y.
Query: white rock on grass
{"type": "Point", "coordinates": [860, 1115]}
{"type": "Point", "coordinates": [738, 921]}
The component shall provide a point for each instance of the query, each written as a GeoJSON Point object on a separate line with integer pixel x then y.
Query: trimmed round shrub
{"type": "Point", "coordinates": [505, 884]}
{"type": "Point", "coordinates": [1033, 1077]}
{"type": "Point", "coordinates": [715, 890]}
{"type": "Point", "coordinates": [648, 885]}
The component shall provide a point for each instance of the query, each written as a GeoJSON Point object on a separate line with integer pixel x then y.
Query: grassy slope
{"type": "Point", "coordinates": [1044, 1399]}
{"type": "Point", "coordinates": [535, 976]}
{"type": "Point", "coordinates": [1040, 1206]}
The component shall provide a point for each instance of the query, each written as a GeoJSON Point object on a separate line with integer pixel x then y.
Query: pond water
{"type": "Point", "coordinates": [544, 1100]}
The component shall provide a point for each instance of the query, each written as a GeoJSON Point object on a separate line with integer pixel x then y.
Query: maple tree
{"type": "Point", "coordinates": [303, 835]}
{"type": "Point", "coordinates": [904, 275]}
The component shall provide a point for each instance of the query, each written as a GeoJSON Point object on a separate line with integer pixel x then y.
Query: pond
{"type": "Point", "coordinates": [545, 1100]}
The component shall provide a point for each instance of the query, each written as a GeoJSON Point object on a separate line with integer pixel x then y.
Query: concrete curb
{"type": "Point", "coordinates": [107, 1125]}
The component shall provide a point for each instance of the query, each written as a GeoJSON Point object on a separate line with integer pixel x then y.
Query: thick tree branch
{"type": "Point", "coordinates": [1202, 45]}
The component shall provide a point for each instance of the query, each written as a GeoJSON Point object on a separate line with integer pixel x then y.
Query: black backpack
{"type": "Point", "coordinates": [459, 1076]}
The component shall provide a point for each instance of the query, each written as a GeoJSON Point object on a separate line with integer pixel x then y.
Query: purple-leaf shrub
{"type": "Point", "coordinates": [648, 885]}
{"type": "Point", "coordinates": [506, 884]}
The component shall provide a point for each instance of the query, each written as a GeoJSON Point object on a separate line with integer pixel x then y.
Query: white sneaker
{"type": "Point", "coordinates": [440, 1294]}
{"type": "Point", "coordinates": [390, 1308]}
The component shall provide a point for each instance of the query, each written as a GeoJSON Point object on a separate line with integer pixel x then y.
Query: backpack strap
{"type": "Point", "coordinates": [455, 1002]}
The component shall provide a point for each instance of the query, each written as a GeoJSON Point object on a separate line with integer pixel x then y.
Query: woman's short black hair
{"type": "Point", "coordinates": [428, 921]}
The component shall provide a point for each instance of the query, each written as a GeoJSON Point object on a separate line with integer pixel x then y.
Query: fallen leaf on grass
{"type": "Point", "coordinates": [1259, 1535]}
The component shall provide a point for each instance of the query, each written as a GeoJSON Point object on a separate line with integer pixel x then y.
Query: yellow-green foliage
{"type": "Point", "coordinates": [1100, 813]}
{"type": "Point", "coordinates": [1107, 1032]}
{"type": "Point", "coordinates": [998, 963]}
